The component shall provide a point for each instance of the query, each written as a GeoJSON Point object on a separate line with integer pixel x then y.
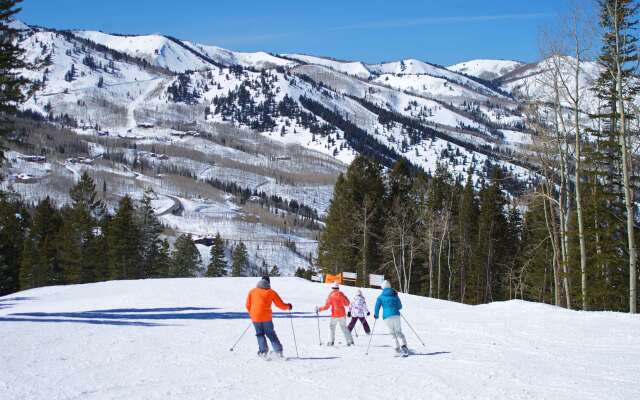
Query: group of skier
{"type": "Point", "coordinates": [262, 297]}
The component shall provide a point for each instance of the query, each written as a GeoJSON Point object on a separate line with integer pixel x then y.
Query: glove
{"type": "Point", "coordinates": [349, 314]}
{"type": "Point", "coordinates": [290, 306]}
{"type": "Point", "coordinates": [375, 316]}
{"type": "Point", "coordinates": [368, 313]}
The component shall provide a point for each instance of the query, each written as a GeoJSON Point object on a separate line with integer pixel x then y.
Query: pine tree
{"type": "Point", "coordinates": [13, 224]}
{"type": "Point", "coordinates": [534, 278]}
{"type": "Point", "coordinates": [150, 242]}
{"type": "Point", "coordinates": [354, 226]}
{"type": "Point", "coordinates": [239, 260]}
{"type": "Point", "coordinates": [334, 251]}
{"type": "Point", "coordinates": [401, 243]}
{"type": "Point", "coordinates": [274, 271]}
{"type": "Point", "coordinates": [12, 83]}
{"type": "Point", "coordinates": [123, 242]}
{"type": "Point", "coordinates": [491, 241]}
{"type": "Point", "coordinates": [186, 259]}
{"type": "Point", "coordinates": [366, 200]}
{"type": "Point", "coordinates": [41, 263]}
{"type": "Point", "coordinates": [467, 231]}
{"type": "Point", "coordinates": [72, 241]}
{"type": "Point", "coordinates": [163, 264]}
{"type": "Point", "coordinates": [618, 20]}
{"type": "Point", "coordinates": [83, 195]}
{"type": "Point", "coordinates": [80, 247]}
{"type": "Point", "coordinates": [218, 264]}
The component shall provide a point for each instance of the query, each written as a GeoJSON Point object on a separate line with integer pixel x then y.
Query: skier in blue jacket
{"type": "Point", "coordinates": [391, 306]}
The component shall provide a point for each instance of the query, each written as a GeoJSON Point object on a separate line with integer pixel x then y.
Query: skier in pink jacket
{"type": "Point", "coordinates": [358, 311]}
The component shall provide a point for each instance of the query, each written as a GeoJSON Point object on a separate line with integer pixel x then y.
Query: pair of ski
{"type": "Point", "coordinates": [400, 352]}
{"type": "Point", "coordinates": [271, 356]}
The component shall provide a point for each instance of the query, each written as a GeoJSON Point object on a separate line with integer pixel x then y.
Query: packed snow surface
{"type": "Point", "coordinates": [170, 339]}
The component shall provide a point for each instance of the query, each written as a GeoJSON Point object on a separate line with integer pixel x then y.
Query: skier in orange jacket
{"type": "Point", "coordinates": [259, 301]}
{"type": "Point", "coordinates": [337, 301]}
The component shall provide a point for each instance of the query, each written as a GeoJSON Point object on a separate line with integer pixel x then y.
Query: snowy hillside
{"type": "Point", "coordinates": [486, 69]}
{"type": "Point", "coordinates": [353, 68]}
{"type": "Point", "coordinates": [170, 339]}
{"type": "Point", "coordinates": [156, 49]}
{"type": "Point", "coordinates": [532, 79]}
{"type": "Point", "coordinates": [463, 114]}
{"type": "Point", "coordinates": [258, 60]}
{"type": "Point", "coordinates": [230, 137]}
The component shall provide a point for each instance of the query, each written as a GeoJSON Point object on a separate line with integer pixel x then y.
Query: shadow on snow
{"type": "Point", "coordinates": [12, 301]}
{"type": "Point", "coordinates": [435, 353]}
{"type": "Point", "coordinates": [132, 316]}
{"type": "Point", "coordinates": [81, 321]}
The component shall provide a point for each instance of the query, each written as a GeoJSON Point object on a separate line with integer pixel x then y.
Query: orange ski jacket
{"type": "Point", "coordinates": [337, 301]}
{"type": "Point", "coordinates": [259, 304]}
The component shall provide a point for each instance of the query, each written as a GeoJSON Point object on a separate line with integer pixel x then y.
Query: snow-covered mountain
{"type": "Point", "coordinates": [273, 125]}
{"type": "Point", "coordinates": [170, 338]}
{"type": "Point", "coordinates": [486, 69]}
{"type": "Point", "coordinates": [433, 108]}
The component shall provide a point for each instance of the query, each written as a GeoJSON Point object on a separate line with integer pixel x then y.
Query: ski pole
{"type": "Point", "coordinates": [371, 336]}
{"type": "Point", "coordinates": [241, 336]}
{"type": "Point", "coordinates": [414, 331]}
{"type": "Point", "coordinates": [319, 337]}
{"type": "Point", "coordinates": [294, 334]}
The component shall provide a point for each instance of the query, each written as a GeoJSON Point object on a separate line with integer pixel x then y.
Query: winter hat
{"type": "Point", "coordinates": [335, 286]}
{"type": "Point", "coordinates": [263, 284]}
{"type": "Point", "coordinates": [386, 284]}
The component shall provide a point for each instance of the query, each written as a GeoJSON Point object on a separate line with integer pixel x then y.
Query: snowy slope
{"type": "Point", "coordinates": [156, 49]}
{"type": "Point", "coordinates": [170, 339]}
{"type": "Point", "coordinates": [408, 66]}
{"type": "Point", "coordinates": [258, 60]}
{"type": "Point", "coordinates": [353, 68]}
{"type": "Point", "coordinates": [410, 71]}
{"type": "Point", "coordinates": [19, 25]}
{"type": "Point", "coordinates": [529, 80]}
{"type": "Point", "coordinates": [486, 69]}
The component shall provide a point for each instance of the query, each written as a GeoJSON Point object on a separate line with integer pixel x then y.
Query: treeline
{"type": "Point", "coordinates": [431, 236]}
{"type": "Point", "coordinates": [443, 238]}
{"type": "Point", "coordinates": [308, 215]}
{"type": "Point", "coordinates": [82, 242]}
{"type": "Point", "coordinates": [43, 245]}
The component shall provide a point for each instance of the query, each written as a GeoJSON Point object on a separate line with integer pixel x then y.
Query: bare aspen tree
{"type": "Point", "coordinates": [622, 56]}
{"type": "Point", "coordinates": [578, 38]}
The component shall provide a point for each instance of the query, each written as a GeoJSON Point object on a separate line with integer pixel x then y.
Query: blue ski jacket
{"type": "Point", "coordinates": [390, 303]}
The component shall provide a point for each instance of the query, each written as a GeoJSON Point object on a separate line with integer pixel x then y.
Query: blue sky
{"type": "Point", "coordinates": [439, 31]}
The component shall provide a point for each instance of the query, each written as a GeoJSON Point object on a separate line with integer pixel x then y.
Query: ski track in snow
{"type": "Point", "coordinates": [170, 339]}
{"type": "Point", "coordinates": [133, 106]}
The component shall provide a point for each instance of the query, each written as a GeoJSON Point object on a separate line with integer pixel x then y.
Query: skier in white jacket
{"type": "Point", "coordinates": [358, 311]}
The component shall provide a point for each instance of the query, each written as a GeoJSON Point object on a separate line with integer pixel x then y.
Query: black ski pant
{"type": "Point", "coordinates": [363, 320]}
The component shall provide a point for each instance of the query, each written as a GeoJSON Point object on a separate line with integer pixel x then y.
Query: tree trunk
{"type": "Point", "coordinates": [626, 178]}
{"type": "Point", "coordinates": [553, 236]}
{"type": "Point", "coordinates": [578, 167]}
{"type": "Point", "coordinates": [628, 200]}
